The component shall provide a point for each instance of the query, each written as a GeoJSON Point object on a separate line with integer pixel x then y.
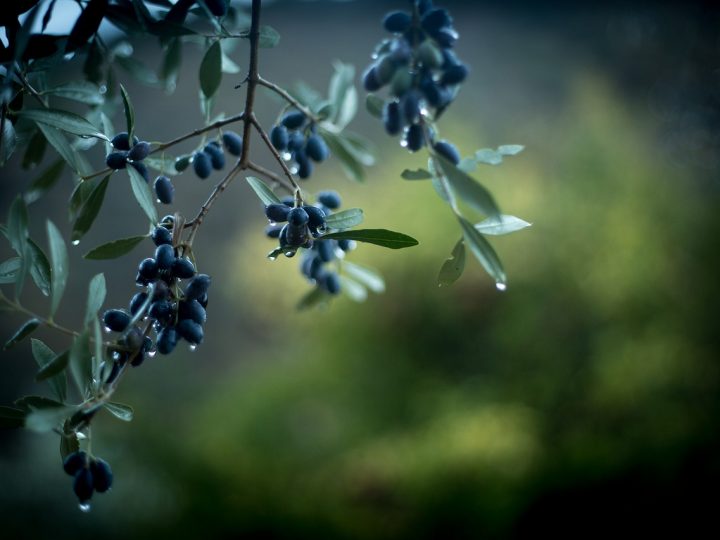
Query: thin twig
{"type": "Point", "coordinates": [287, 97]}
{"type": "Point", "coordinates": [275, 153]}
{"type": "Point", "coordinates": [279, 180]}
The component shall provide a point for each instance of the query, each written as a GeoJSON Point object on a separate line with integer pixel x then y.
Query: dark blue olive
{"type": "Point", "coordinates": [202, 164]}
{"type": "Point", "coordinates": [449, 59]}
{"type": "Point", "coordinates": [448, 151]}
{"type": "Point", "coordinates": [277, 212]}
{"type": "Point", "coordinates": [273, 231]}
{"type": "Point", "coordinates": [161, 235]}
{"type": "Point", "coordinates": [305, 166]}
{"type": "Point", "coordinates": [166, 340]}
{"type": "Point", "coordinates": [116, 320]}
{"type": "Point", "coordinates": [192, 310]}
{"type": "Point", "coordinates": [310, 265]}
{"type": "Point", "coordinates": [411, 106]}
{"type": "Point", "coordinates": [83, 484]}
{"type": "Point", "coordinates": [114, 372]}
{"type": "Point", "coordinates": [142, 169]}
{"type": "Point", "coordinates": [139, 151]}
{"type": "Point", "coordinates": [435, 19]}
{"type": "Point", "coordinates": [454, 74]}
{"type": "Point", "coordinates": [316, 216]}
{"type": "Point", "coordinates": [147, 270]}
{"type": "Point", "coordinates": [137, 301]}
{"type": "Point", "coordinates": [391, 118]}
{"type": "Point", "coordinates": [160, 291]}
{"type": "Point", "coordinates": [190, 331]}
{"type": "Point", "coordinates": [371, 81]}
{"type": "Point", "coordinates": [197, 287]}
{"type": "Point", "coordinates": [414, 138]}
{"type": "Point", "coordinates": [331, 199]}
{"type": "Point", "coordinates": [326, 250]}
{"type": "Point", "coordinates": [288, 200]}
{"type": "Point", "coordinates": [400, 52]}
{"type": "Point", "coordinates": [346, 245]}
{"type": "Point", "coordinates": [298, 217]}
{"type": "Point", "coordinates": [165, 256]}
{"type": "Point", "coordinates": [233, 142]}
{"type": "Point", "coordinates": [217, 157]}
{"type": "Point", "coordinates": [133, 340]}
{"type": "Point", "coordinates": [102, 475]}
{"type": "Point", "coordinates": [446, 37]}
{"type": "Point", "coordinates": [203, 300]}
{"type": "Point", "coordinates": [297, 235]}
{"type": "Point", "coordinates": [116, 160]}
{"type": "Point", "coordinates": [296, 141]}
{"type": "Point", "coordinates": [293, 120]}
{"type": "Point", "coordinates": [316, 148]}
{"type": "Point", "coordinates": [279, 137]}
{"type": "Point", "coordinates": [162, 311]}
{"type": "Point", "coordinates": [424, 6]}
{"type": "Point", "coordinates": [164, 189]}
{"type": "Point", "coordinates": [74, 462]}
{"type": "Point", "coordinates": [217, 7]}
{"type": "Point", "coordinates": [183, 268]}
{"type": "Point", "coordinates": [121, 141]}
{"type": "Point", "coordinates": [331, 283]}
{"type": "Point", "coordinates": [397, 21]}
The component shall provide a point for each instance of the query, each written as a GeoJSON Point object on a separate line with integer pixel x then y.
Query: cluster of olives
{"type": "Point", "coordinates": [175, 313]}
{"type": "Point", "coordinates": [212, 155]}
{"type": "Point", "coordinates": [126, 153]}
{"type": "Point", "coordinates": [422, 72]}
{"type": "Point", "coordinates": [297, 139]}
{"type": "Point", "coordinates": [304, 228]}
{"type": "Point", "coordinates": [91, 474]}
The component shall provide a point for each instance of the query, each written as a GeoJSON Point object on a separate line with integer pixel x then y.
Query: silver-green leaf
{"type": "Point", "coordinates": [484, 253]}
{"type": "Point", "coordinates": [63, 120]}
{"type": "Point", "coordinates": [262, 190]}
{"type": "Point", "coordinates": [143, 194]}
{"type": "Point", "coordinates": [59, 265]}
{"type": "Point", "coordinates": [345, 219]}
{"type": "Point", "coordinates": [453, 267]}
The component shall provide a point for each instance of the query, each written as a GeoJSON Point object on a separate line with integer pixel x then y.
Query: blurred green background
{"type": "Point", "coordinates": [581, 402]}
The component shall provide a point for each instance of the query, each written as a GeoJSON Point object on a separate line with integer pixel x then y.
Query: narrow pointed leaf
{"type": "Point", "coordinates": [379, 237]}
{"type": "Point", "coordinates": [24, 331]}
{"type": "Point", "coordinates": [484, 253]}
{"type": "Point", "coordinates": [90, 209]}
{"type": "Point", "coordinates": [114, 249]}
{"type": "Point", "coordinates": [57, 139]}
{"type": "Point", "coordinates": [467, 188]}
{"type": "Point", "coordinates": [367, 276]}
{"type": "Point", "coordinates": [120, 410]}
{"type": "Point", "coordinates": [40, 268]}
{"type": "Point", "coordinates": [211, 70]}
{"type": "Point", "coordinates": [453, 267]}
{"type": "Point", "coordinates": [374, 105]}
{"type": "Point", "coordinates": [129, 111]}
{"type": "Point", "coordinates": [82, 91]}
{"type": "Point", "coordinates": [96, 296]}
{"type": "Point", "coordinates": [81, 363]}
{"type": "Point", "coordinates": [9, 270]}
{"type": "Point", "coordinates": [510, 149]}
{"type": "Point", "coordinates": [59, 265]}
{"type": "Point", "coordinates": [51, 368]}
{"type": "Point", "coordinates": [43, 183]}
{"type": "Point", "coordinates": [143, 194]}
{"type": "Point", "coordinates": [63, 120]}
{"type": "Point", "coordinates": [8, 141]}
{"type": "Point", "coordinates": [503, 224]}
{"type": "Point", "coordinates": [44, 420]}
{"type": "Point", "coordinates": [488, 156]}
{"type": "Point", "coordinates": [352, 289]}
{"type": "Point", "coordinates": [262, 190]}
{"type": "Point", "coordinates": [418, 174]}
{"type": "Point", "coordinates": [345, 219]}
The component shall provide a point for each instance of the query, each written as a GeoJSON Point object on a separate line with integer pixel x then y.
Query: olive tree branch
{"type": "Point", "coordinates": [279, 180]}
{"type": "Point", "coordinates": [287, 97]}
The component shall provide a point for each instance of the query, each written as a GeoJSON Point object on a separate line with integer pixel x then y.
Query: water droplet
{"type": "Point", "coordinates": [158, 201]}
{"type": "Point", "coordinates": [75, 242]}
{"type": "Point", "coordinates": [116, 355]}
{"type": "Point", "coordinates": [81, 436]}
{"type": "Point", "coordinates": [151, 353]}
{"type": "Point", "coordinates": [286, 155]}
{"type": "Point", "coordinates": [272, 257]}
{"type": "Point", "coordinates": [192, 347]}
{"type": "Point", "coordinates": [84, 507]}
{"type": "Point", "coordinates": [107, 329]}
{"type": "Point", "coordinates": [272, 223]}
{"type": "Point", "coordinates": [289, 254]}
{"type": "Point", "coordinates": [403, 143]}
{"type": "Point", "coordinates": [500, 286]}
{"type": "Point", "coordinates": [103, 89]}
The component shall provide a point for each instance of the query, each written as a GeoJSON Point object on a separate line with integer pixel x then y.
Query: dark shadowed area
{"type": "Point", "coordinates": [583, 401]}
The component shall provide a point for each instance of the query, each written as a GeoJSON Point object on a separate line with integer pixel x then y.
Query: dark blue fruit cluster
{"type": "Point", "coordinates": [91, 474]}
{"type": "Point", "coordinates": [422, 72]}
{"type": "Point", "coordinates": [126, 153]}
{"type": "Point", "coordinates": [175, 312]}
{"type": "Point", "coordinates": [212, 156]}
{"type": "Point", "coordinates": [296, 138]}
{"type": "Point", "coordinates": [304, 228]}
